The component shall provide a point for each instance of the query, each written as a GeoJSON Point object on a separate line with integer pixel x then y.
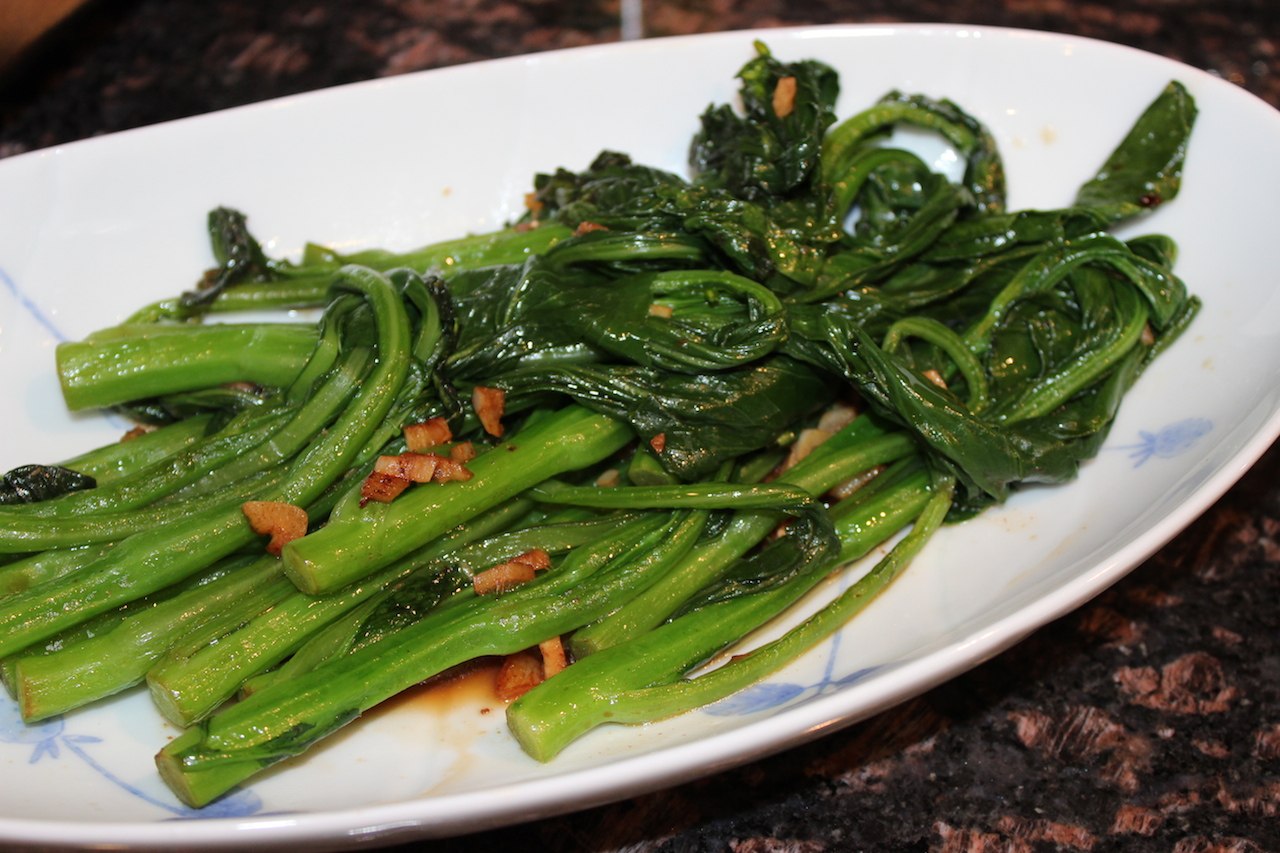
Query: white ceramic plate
{"type": "Point", "coordinates": [90, 230]}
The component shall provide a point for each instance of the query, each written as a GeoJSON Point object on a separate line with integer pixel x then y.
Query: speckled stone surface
{"type": "Point", "coordinates": [1147, 720]}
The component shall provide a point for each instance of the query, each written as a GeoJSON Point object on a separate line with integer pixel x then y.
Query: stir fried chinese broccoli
{"type": "Point", "coordinates": [624, 432]}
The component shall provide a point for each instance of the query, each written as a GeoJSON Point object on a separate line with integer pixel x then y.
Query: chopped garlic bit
{"type": "Point", "coordinates": [489, 404]}
{"type": "Point", "coordinates": [663, 311]}
{"type": "Point", "coordinates": [588, 227]}
{"type": "Point", "coordinates": [382, 487]}
{"type": "Point", "coordinates": [509, 575]}
{"type": "Point", "coordinates": [428, 434]}
{"type": "Point", "coordinates": [857, 481]}
{"type": "Point", "coordinates": [391, 475]}
{"type": "Point", "coordinates": [502, 578]}
{"type": "Point", "coordinates": [525, 670]}
{"type": "Point", "coordinates": [450, 470]}
{"type": "Point", "coordinates": [553, 657]}
{"type": "Point", "coordinates": [936, 378]}
{"type": "Point", "coordinates": [784, 97]}
{"type": "Point", "coordinates": [609, 478]}
{"type": "Point", "coordinates": [837, 417]}
{"type": "Point", "coordinates": [535, 557]}
{"type": "Point", "coordinates": [804, 445]}
{"type": "Point", "coordinates": [519, 673]}
{"type": "Point", "coordinates": [834, 419]}
{"type": "Point", "coordinates": [414, 467]}
{"type": "Point", "coordinates": [284, 522]}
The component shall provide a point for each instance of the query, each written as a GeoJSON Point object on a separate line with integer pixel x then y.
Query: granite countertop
{"type": "Point", "coordinates": [1147, 720]}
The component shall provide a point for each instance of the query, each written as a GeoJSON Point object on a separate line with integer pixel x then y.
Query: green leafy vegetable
{"type": "Point", "coordinates": [660, 410]}
{"type": "Point", "coordinates": [34, 483]}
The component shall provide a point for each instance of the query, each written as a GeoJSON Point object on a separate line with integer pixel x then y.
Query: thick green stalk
{"type": "Point", "coordinates": [24, 573]}
{"type": "Point", "coordinates": [137, 362]}
{"type": "Point", "coordinates": [108, 620]}
{"type": "Point", "coordinates": [20, 534]}
{"type": "Point", "coordinates": [105, 664]}
{"type": "Point", "coordinates": [312, 416]}
{"type": "Point", "coordinates": [325, 460]}
{"type": "Point", "coordinates": [332, 641]}
{"type": "Point", "coordinates": [112, 461]}
{"type": "Point", "coordinates": [158, 557]}
{"type": "Point", "coordinates": [643, 679]}
{"type": "Point", "coordinates": [161, 478]}
{"type": "Point", "coordinates": [189, 683]}
{"type": "Point", "coordinates": [353, 629]}
{"type": "Point", "coordinates": [665, 700]}
{"type": "Point", "coordinates": [143, 563]}
{"type": "Point", "coordinates": [287, 718]}
{"type": "Point", "coordinates": [228, 615]}
{"type": "Point", "coordinates": [379, 533]}
{"type": "Point", "coordinates": [858, 447]}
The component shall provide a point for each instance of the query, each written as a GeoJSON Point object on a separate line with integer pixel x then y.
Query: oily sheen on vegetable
{"type": "Point", "coordinates": [602, 444]}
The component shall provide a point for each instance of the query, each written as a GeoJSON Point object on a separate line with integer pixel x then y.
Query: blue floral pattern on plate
{"type": "Point", "coordinates": [772, 694]}
{"type": "Point", "coordinates": [29, 305]}
{"type": "Point", "coordinates": [1169, 442]}
{"type": "Point", "coordinates": [50, 740]}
